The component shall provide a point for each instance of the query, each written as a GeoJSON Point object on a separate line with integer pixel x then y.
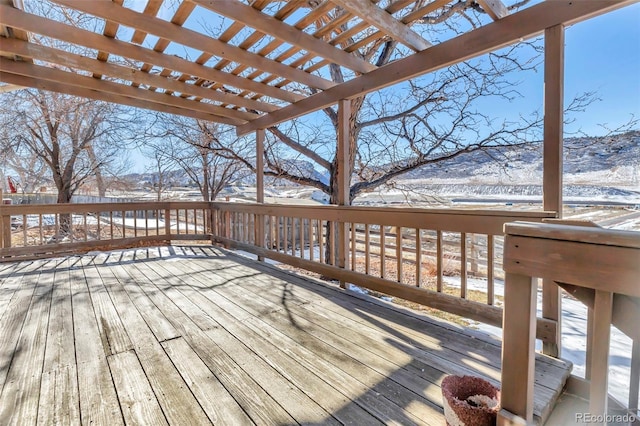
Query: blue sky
{"type": "Point", "coordinates": [603, 55]}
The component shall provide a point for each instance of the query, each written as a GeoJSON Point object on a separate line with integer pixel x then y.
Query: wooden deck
{"type": "Point", "coordinates": [196, 335]}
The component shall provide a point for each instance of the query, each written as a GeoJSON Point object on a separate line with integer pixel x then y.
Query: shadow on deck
{"type": "Point", "coordinates": [196, 335]}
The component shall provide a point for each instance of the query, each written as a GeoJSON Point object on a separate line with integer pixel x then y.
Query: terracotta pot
{"type": "Point", "coordinates": [470, 401]}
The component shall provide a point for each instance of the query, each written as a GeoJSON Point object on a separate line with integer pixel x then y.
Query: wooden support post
{"type": "Point", "coordinates": [344, 179]}
{"type": "Point", "coordinates": [552, 162]}
{"type": "Point", "coordinates": [598, 388]}
{"type": "Point", "coordinates": [634, 385]}
{"type": "Point", "coordinates": [259, 219]}
{"type": "Point", "coordinates": [518, 345]}
{"type": "Point", "coordinates": [589, 344]}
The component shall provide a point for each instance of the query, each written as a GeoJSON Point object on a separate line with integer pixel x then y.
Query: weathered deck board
{"type": "Point", "coordinates": [177, 402]}
{"type": "Point", "coordinates": [14, 313]}
{"type": "Point", "coordinates": [194, 335]}
{"type": "Point", "coordinates": [138, 402]}
{"type": "Point", "coordinates": [20, 393]}
{"type": "Point", "coordinates": [427, 364]}
{"type": "Point", "coordinates": [59, 400]}
{"type": "Point", "coordinates": [98, 399]}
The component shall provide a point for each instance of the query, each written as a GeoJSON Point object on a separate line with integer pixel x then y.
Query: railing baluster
{"type": "Point", "coordinates": [195, 221]}
{"type": "Point", "coordinates": [399, 254]}
{"type": "Point", "coordinates": [490, 271]}
{"type": "Point", "coordinates": [332, 243]}
{"type": "Point", "coordinates": [418, 257]}
{"type": "Point", "coordinates": [312, 239]}
{"type": "Point", "coordinates": [135, 223]}
{"type": "Point", "coordinates": [40, 228]}
{"type": "Point", "coordinates": [146, 223]}
{"type": "Point", "coordinates": [167, 223]}
{"type": "Point", "coordinates": [383, 252]}
{"type": "Point", "coordinates": [302, 230]}
{"type": "Point", "coordinates": [98, 225]}
{"type": "Point", "coordinates": [439, 260]}
{"type": "Point", "coordinates": [84, 217]}
{"type": "Point", "coordinates": [24, 230]}
{"type": "Point", "coordinates": [353, 247]}
{"type": "Point", "coordinates": [367, 249]}
{"type": "Point", "coordinates": [285, 234]}
{"type": "Point", "coordinates": [463, 265]}
{"type": "Point", "coordinates": [321, 240]}
{"type": "Point", "coordinates": [111, 225]}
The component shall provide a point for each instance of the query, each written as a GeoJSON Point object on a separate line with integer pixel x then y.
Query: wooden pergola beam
{"type": "Point", "coordinates": [193, 39]}
{"type": "Point", "coordinates": [110, 30]}
{"type": "Point", "coordinates": [59, 31]}
{"type": "Point", "coordinates": [72, 60]}
{"type": "Point", "coordinates": [494, 8]}
{"type": "Point", "coordinates": [269, 25]}
{"type": "Point", "coordinates": [88, 84]}
{"type": "Point", "coordinates": [100, 96]}
{"type": "Point", "coordinates": [524, 24]}
{"type": "Point", "coordinates": [385, 22]}
{"type": "Point", "coordinates": [6, 88]}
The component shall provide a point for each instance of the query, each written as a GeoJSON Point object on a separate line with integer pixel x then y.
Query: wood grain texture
{"type": "Point", "coordinates": [220, 339]}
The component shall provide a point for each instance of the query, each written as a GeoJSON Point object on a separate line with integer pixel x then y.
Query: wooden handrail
{"type": "Point", "coordinates": [601, 266]}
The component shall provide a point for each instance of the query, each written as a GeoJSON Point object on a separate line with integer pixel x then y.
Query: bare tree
{"type": "Point", "coordinates": [30, 170]}
{"type": "Point", "coordinates": [209, 154]}
{"type": "Point", "coordinates": [74, 137]}
{"type": "Point", "coordinates": [160, 168]}
{"type": "Point", "coordinates": [60, 131]}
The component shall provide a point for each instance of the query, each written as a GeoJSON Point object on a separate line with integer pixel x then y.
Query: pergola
{"type": "Point", "coordinates": [271, 61]}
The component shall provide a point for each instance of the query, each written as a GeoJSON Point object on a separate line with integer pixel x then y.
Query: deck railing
{"type": "Point", "coordinates": [424, 256]}
{"type": "Point", "coordinates": [427, 256]}
{"type": "Point", "coordinates": [601, 268]}
{"type": "Point", "coordinates": [31, 231]}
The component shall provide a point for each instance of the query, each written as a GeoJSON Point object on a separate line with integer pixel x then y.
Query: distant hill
{"type": "Point", "coordinates": [611, 160]}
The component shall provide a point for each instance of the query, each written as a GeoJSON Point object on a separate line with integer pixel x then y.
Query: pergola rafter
{"type": "Point", "coordinates": [270, 61]}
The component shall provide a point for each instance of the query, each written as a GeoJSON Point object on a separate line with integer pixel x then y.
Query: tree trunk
{"type": "Point", "coordinates": [66, 225]}
{"type": "Point", "coordinates": [102, 188]}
